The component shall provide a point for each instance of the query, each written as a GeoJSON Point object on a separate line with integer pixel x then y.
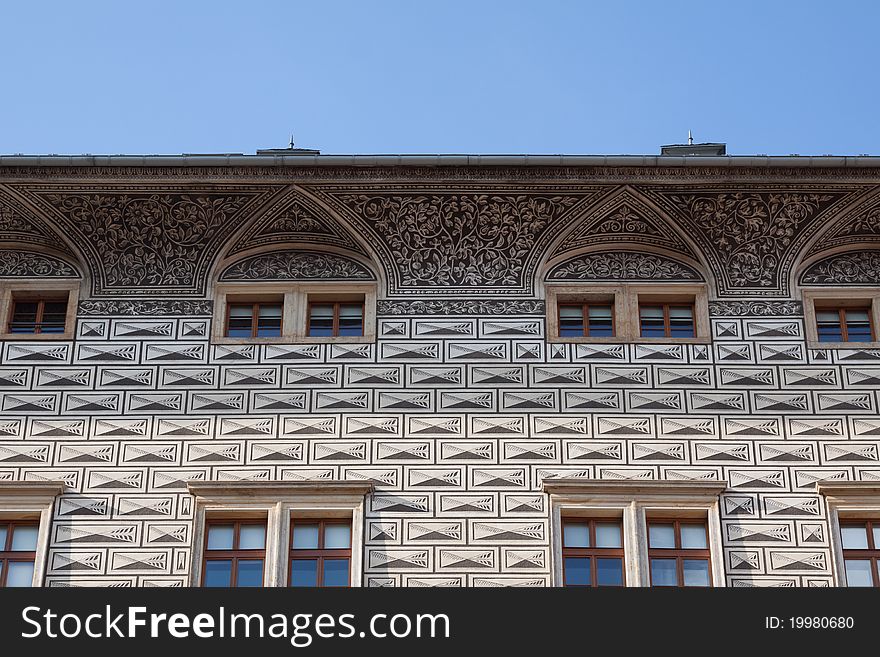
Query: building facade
{"type": "Point", "coordinates": [439, 371]}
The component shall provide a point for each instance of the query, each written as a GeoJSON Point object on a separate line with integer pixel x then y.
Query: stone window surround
{"type": "Point", "coordinates": [36, 287]}
{"type": "Point", "coordinates": [838, 298]}
{"type": "Point", "coordinates": [294, 320]}
{"type": "Point", "coordinates": [625, 298]}
{"type": "Point", "coordinates": [278, 502]}
{"type": "Point", "coordinates": [32, 500]}
{"type": "Point", "coordinates": [636, 502]}
{"type": "Point", "coordinates": [847, 500]}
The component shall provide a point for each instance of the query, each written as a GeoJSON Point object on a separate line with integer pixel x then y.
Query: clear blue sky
{"type": "Point", "coordinates": [449, 76]}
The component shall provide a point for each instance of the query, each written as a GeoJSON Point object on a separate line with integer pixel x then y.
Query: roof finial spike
{"type": "Point", "coordinates": [290, 145]}
{"type": "Point", "coordinates": [690, 139]}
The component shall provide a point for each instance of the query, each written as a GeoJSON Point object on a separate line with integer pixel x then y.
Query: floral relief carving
{"type": "Point", "coordinates": [752, 237]}
{"type": "Point", "coordinates": [755, 308]}
{"type": "Point", "coordinates": [182, 307]}
{"type": "Point", "coordinates": [623, 218]}
{"type": "Point", "coordinates": [150, 242]}
{"type": "Point", "coordinates": [853, 268]}
{"type": "Point", "coordinates": [296, 266]}
{"type": "Point", "coordinates": [295, 219]}
{"type": "Point", "coordinates": [463, 307]}
{"type": "Point", "coordinates": [456, 242]}
{"type": "Point", "coordinates": [622, 266]}
{"type": "Point", "coordinates": [27, 264]}
{"type": "Point", "coordinates": [860, 227]}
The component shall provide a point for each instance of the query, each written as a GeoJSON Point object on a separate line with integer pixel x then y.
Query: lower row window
{"type": "Point", "coordinates": [593, 554]}
{"type": "Point", "coordinates": [18, 547]}
{"type": "Point", "coordinates": [320, 553]}
{"type": "Point", "coordinates": [861, 552]}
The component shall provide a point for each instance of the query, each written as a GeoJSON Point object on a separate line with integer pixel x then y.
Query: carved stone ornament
{"type": "Point", "coordinates": [181, 307]}
{"type": "Point", "coordinates": [751, 238]}
{"type": "Point", "coordinates": [439, 242]}
{"type": "Point", "coordinates": [296, 218]}
{"type": "Point", "coordinates": [463, 307]}
{"type": "Point", "coordinates": [851, 268]}
{"type": "Point", "coordinates": [755, 308]}
{"type": "Point", "coordinates": [28, 264]}
{"type": "Point", "coordinates": [297, 266]}
{"type": "Point", "coordinates": [622, 266]}
{"type": "Point", "coordinates": [17, 224]}
{"type": "Point", "coordinates": [861, 226]}
{"type": "Point", "coordinates": [149, 242]}
{"type": "Point", "coordinates": [623, 218]}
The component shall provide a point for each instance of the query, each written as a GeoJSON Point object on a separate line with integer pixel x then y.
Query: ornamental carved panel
{"type": "Point", "coordinates": [468, 241]}
{"type": "Point", "coordinates": [28, 264]}
{"type": "Point", "coordinates": [297, 266]}
{"type": "Point", "coordinates": [622, 266]}
{"type": "Point", "coordinates": [18, 224]}
{"type": "Point", "coordinates": [851, 268]}
{"type": "Point", "coordinates": [296, 218]}
{"type": "Point", "coordinates": [623, 218]}
{"type": "Point", "coordinates": [861, 226]}
{"type": "Point", "coordinates": [148, 240]}
{"type": "Point", "coordinates": [752, 238]}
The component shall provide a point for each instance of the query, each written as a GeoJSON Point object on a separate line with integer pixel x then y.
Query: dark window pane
{"type": "Point", "coordinates": [663, 572]}
{"type": "Point", "coordinates": [218, 573]}
{"type": "Point", "coordinates": [609, 572]}
{"type": "Point", "coordinates": [351, 319]}
{"type": "Point", "coordinates": [652, 321]}
{"type": "Point", "coordinates": [19, 574]}
{"type": "Point", "coordinates": [24, 317]}
{"type": "Point", "coordinates": [321, 320]}
{"type": "Point", "coordinates": [240, 321]}
{"type": "Point", "coordinates": [830, 333]}
{"type": "Point", "coordinates": [858, 326]}
{"type": "Point", "coordinates": [571, 321]}
{"type": "Point", "coordinates": [577, 571]}
{"type": "Point", "coordinates": [696, 572]}
{"type": "Point", "coordinates": [681, 322]}
{"type": "Point", "coordinates": [335, 572]}
{"type": "Point", "coordinates": [250, 572]}
{"type": "Point", "coordinates": [304, 572]}
{"type": "Point", "coordinates": [269, 321]}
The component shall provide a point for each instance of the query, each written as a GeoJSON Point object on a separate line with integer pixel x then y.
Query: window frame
{"type": "Point", "coordinates": [33, 503]}
{"type": "Point", "coordinates": [337, 303]}
{"type": "Point", "coordinates": [843, 323]}
{"type": "Point", "coordinates": [255, 316]}
{"type": "Point", "coordinates": [320, 553]}
{"type": "Point", "coordinates": [294, 313]}
{"type": "Point", "coordinates": [38, 290]}
{"type": "Point", "coordinates": [236, 553]}
{"type": "Point", "coordinates": [593, 552]}
{"type": "Point", "coordinates": [870, 554]}
{"type": "Point", "coordinates": [625, 300]}
{"type": "Point", "coordinates": [667, 322]}
{"type": "Point", "coordinates": [637, 502]}
{"type": "Point", "coordinates": [847, 501]}
{"type": "Point", "coordinates": [585, 316]}
{"type": "Point", "coordinates": [278, 502]}
{"type": "Point", "coordinates": [815, 299]}
{"type": "Point", "coordinates": [678, 553]}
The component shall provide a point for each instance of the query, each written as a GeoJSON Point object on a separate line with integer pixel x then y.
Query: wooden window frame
{"type": "Point", "coordinates": [593, 552]}
{"type": "Point", "coordinates": [38, 319]}
{"type": "Point", "coordinates": [678, 553]}
{"type": "Point", "coordinates": [6, 553]}
{"type": "Point", "coordinates": [235, 554]}
{"type": "Point", "coordinates": [667, 324]}
{"type": "Point", "coordinates": [255, 316]}
{"type": "Point", "coordinates": [585, 315]}
{"type": "Point", "coordinates": [816, 299]}
{"type": "Point", "coordinates": [841, 319]}
{"type": "Point", "coordinates": [36, 291]}
{"type": "Point", "coordinates": [336, 307]}
{"type": "Point", "coordinates": [871, 553]}
{"type": "Point", "coordinates": [320, 553]}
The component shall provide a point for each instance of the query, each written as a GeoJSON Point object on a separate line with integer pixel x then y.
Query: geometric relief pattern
{"type": "Point", "coordinates": [460, 409]}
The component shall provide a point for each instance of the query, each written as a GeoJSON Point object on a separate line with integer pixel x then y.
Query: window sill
{"type": "Point", "coordinates": [295, 339]}
{"type": "Point", "coordinates": [814, 344]}
{"type": "Point", "coordinates": [40, 337]}
{"type": "Point", "coordinates": [622, 340]}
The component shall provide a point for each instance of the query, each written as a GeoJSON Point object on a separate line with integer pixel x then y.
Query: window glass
{"type": "Point", "coordinates": [321, 320]}
{"type": "Point", "coordinates": [858, 572]}
{"type": "Point", "coordinates": [693, 537]}
{"type": "Point", "coordinates": [305, 537]}
{"type": "Point", "coordinates": [19, 574]}
{"type": "Point", "coordinates": [252, 537]}
{"type": "Point", "coordinates": [608, 535]}
{"type": "Point", "coordinates": [335, 572]}
{"type": "Point", "coordinates": [854, 537]}
{"type": "Point", "coordinates": [571, 321]}
{"type": "Point", "coordinates": [661, 535]}
{"type": "Point", "coordinates": [240, 321]}
{"type": "Point", "coordinates": [577, 571]}
{"type": "Point", "coordinates": [218, 572]}
{"type": "Point", "coordinates": [609, 571]}
{"type": "Point", "coordinates": [269, 321]}
{"type": "Point", "coordinates": [696, 572]}
{"type": "Point", "coordinates": [351, 319]}
{"type": "Point", "coordinates": [337, 537]}
{"type": "Point", "coordinates": [576, 534]}
{"type": "Point", "coordinates": [663, 572]}
{"type": "Point", "coordinates": [601, 321]}
{"type": "Point", "coordinates": [24, 538]}
{"type": "Point", "coordinates": [304, 572]}
{"type": "Point", "coordinates": [652, 324]}
{"type": "Point", "coordinates": [250, 572]}
{"type": "Point", "coordinates": [220, 537]}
